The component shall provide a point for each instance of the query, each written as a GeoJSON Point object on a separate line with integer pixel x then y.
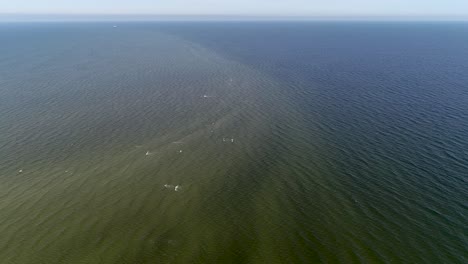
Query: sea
{"type": "Point", "coordinates": [233, 142]}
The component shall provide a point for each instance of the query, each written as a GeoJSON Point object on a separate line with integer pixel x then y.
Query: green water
{"type": "Point", "coordinates": [134, 145]}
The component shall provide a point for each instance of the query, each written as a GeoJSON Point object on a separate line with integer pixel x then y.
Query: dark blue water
{"type": "Point", "coordinates": [349, 142]}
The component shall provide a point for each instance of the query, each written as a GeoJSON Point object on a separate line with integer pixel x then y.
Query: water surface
{"type": "Point", "coordinates": [234, 143]}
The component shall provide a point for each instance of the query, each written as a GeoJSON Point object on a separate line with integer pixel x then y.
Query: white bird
{"type": "Point", "coordinates": [147, 153]}
{"type": "Point", "coordinates": [176, 188]}
{"type": "Point", "coordinates": [180, 151]}
{"type": "Point", "coordinates": [20, 171]}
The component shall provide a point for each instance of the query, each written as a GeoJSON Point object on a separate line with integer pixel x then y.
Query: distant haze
{"type": "Point", "coordinates": [260, 8]}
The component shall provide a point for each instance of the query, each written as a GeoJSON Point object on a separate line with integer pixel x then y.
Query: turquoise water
{"type": "Point", "coordinates": [233, 143]}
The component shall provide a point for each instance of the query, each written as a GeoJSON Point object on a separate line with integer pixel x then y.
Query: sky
{"type": "Point", "coordinates": [318, 8]}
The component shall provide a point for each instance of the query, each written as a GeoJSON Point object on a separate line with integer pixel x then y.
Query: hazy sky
{"type": "Point", "coordinates": [242, 7]}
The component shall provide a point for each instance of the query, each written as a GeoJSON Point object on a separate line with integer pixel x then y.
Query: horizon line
{"type": "Point", "coordinates": [72, 17]}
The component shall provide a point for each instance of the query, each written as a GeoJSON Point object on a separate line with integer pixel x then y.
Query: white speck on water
{"type": "Point", "coordinates": [180, 151]}
{"type": "Point", "coordinates": [170, 186]}
{"type": "Point", "coordinates": [20, 171]}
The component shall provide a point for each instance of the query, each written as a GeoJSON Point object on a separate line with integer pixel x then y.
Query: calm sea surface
{"type": "Point", "coordinates": [234, 143]}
